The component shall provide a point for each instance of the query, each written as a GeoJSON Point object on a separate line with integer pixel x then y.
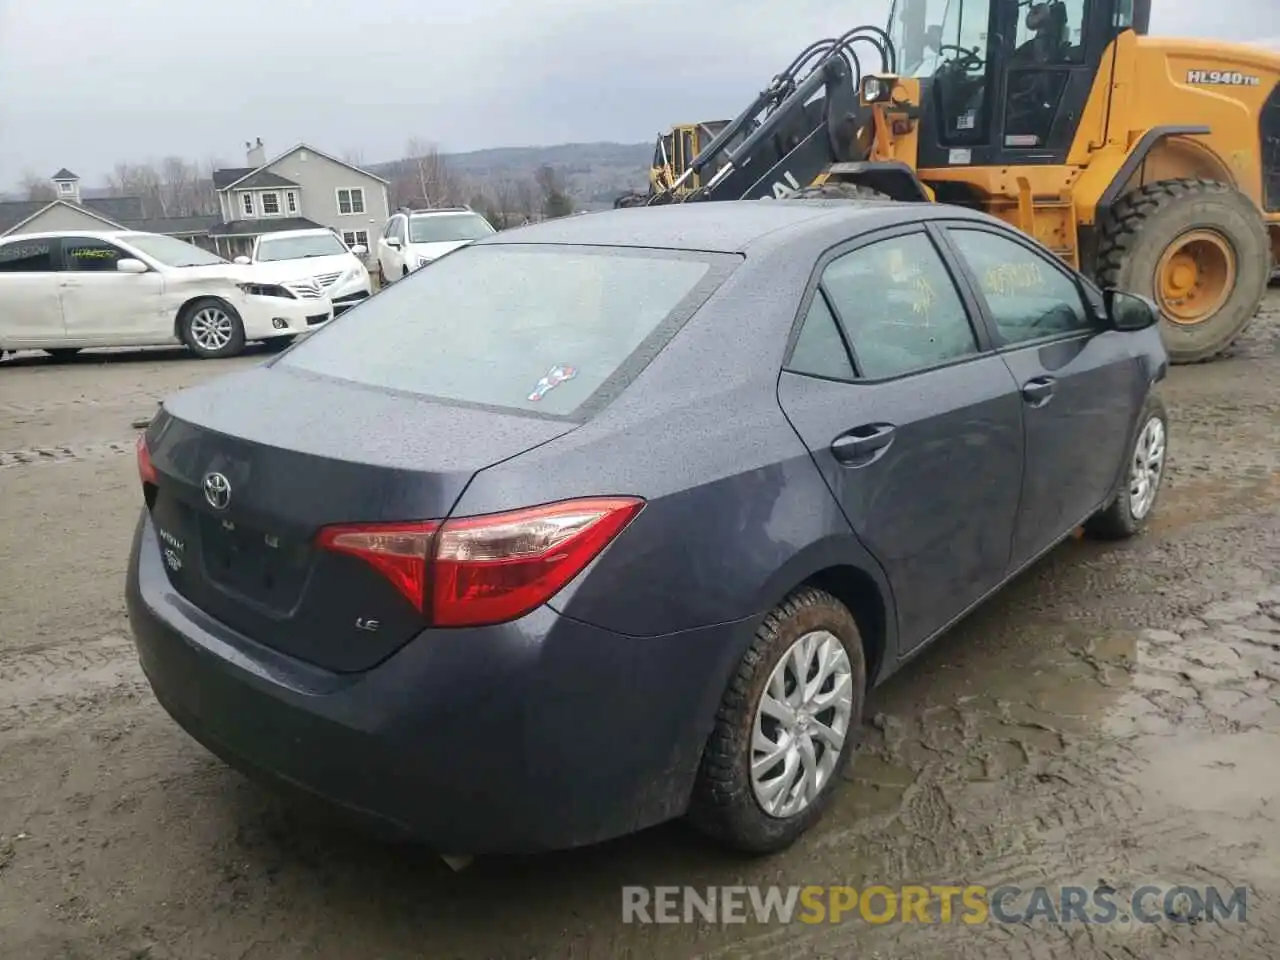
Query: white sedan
{"type": "Point", "coordinates": [318, 254]}
{"type": "Point", "coordinates": [69, 290]}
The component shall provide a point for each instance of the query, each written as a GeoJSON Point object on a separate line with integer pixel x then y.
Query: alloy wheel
{"type": "Point", "coordinates": [212, 329]}
{"type": "Point", "coordinates": [1146, 468]}
{"type": "Point", "coordinates": [801, 724]}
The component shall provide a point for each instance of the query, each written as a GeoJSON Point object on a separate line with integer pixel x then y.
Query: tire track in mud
{"type": "Point", "coordinates": [65, 453]}
{"type": "Point", "coordinates": [46, 684]}
{"type": "Point", "coordinates": [1070, 813]}
{"type": "Point", "coordinates": [28, 408]}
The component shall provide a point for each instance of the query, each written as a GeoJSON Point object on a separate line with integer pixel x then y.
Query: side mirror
{"type": "Point", "coordinates": [243, 260]}
{"type": "Point", "coordinates": [1130, 311]}
{"type": "Point", "coordinates": [393, 242]}
{"type": "Point", "coordinates": [359, 249]}
{"type": "Point", "coordinates": [130, 265]}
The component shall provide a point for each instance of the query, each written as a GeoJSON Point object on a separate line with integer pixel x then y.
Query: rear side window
{"type": "Point", "coordinates": [820, 350]}
{"type": "Point", "coordinates": [556, 330]}
{"type": "Point", "coordinates": [27, 256]}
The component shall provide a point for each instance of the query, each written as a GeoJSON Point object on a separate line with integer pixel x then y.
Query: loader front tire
{"type": "Point", "coordinates": [1200, 250]}
{"type": "Point", "coordinates": [837, 190]}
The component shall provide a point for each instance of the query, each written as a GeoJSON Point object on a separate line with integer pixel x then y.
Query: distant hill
{"type": "Point", "coordinates": [594, 173]}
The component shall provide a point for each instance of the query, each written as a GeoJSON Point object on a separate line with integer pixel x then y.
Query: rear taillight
{"type": "Point", "coordinates": [146, 469]}
{"type": "Point", "coordinates": [473, 571]}
{"type": "Point", "coordinates": [397, 551]}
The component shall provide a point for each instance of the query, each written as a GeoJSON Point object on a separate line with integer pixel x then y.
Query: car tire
{"type": "Point", "coordinates": [729, 801]}
{"type": "Point", "coordinates": [1146, 231]}
{"type": "Point", "coordinates": [1148, 455]}
{"type": "Point", "coordinates": [837, 190]}
{"type": "Point", "coordinates": [404, 273]}
{"type": "Point", "coordinates": [211, 329]}
{"type": "Point", "coordinates": [62, 353]}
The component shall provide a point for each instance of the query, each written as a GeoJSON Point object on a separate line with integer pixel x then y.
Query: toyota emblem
{"type": "Point", "coordinates": [217, 491]}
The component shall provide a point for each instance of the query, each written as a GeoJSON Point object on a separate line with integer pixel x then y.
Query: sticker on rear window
{"type": "Point", "coordinates": [555, 376]}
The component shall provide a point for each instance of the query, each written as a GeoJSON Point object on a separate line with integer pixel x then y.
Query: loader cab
{"type": "Point", "coordinates": [1005, 82]}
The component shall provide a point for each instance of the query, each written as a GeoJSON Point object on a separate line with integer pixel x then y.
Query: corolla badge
{"type": "Point", "coordinates": [555, 376]}
{"type": "Point", "coordinates": [217, 490]}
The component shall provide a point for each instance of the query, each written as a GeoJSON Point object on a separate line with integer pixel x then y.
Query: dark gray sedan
{"type": "Point", "coordinates": [614, 519]}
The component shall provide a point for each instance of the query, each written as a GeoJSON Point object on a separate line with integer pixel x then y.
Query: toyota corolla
{"type": "Point", "coordinates": [614, 519]}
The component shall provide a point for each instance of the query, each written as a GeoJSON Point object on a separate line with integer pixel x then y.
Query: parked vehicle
{"type": "Point", "coordinates": [299, 259]}
{"type": "Point", "coordinates": [628, 530]}
{"type": "Point", "coordinates": [413, 238]}
{"type": "Point", "coordinates": [65, 291]}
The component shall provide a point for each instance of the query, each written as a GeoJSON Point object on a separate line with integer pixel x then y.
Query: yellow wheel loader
{"type": "Point", "coordinates": [1152, 164]}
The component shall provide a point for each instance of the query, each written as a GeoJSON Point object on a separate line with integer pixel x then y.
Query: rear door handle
{"type": "Point", "coordinates": [859, 444]}
{"type": "Point", "coordinates": [1039, 390]}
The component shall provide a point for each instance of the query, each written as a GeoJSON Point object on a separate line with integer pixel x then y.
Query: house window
{"type": "Point", "coordinates": [351, 200]}
{"type": "Point", "coordinates": [292, 199]}
{"type": "Point", "coordinates": [246, 200]}
{"type": "Point", "coordinates": [271, 204]}
{"type": "Point", "coordinates": [352, 237]}
{"type": "Point", "coordinates": [64, 187]}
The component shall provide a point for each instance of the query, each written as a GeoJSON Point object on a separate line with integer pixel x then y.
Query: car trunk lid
{"type": "Point", "coordinates": [250, 467]}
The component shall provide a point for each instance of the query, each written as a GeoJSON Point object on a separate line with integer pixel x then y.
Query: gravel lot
{"type": "Point", "coordinates": [1112, 717]}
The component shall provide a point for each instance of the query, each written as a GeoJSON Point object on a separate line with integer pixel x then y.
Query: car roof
{"type": "Point", "coordinates": [726, 226]}
{"type": "Point", "coordinates": [100, 234]}
{"type": "Point", "coordinates": [305, 232]}
{"type": "Point", "coordinates": [442, 212]}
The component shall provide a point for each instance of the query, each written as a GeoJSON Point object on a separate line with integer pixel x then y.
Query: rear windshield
{"type": "Point", "coordinates": [556, 330]}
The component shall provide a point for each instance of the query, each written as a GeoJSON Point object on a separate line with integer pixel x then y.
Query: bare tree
{"type": "Point", "coordinates": [353, 156]}
{"type": "Point", "coordinates": [555, 199]}
{"type": "Point", "coordinates": [35, 187]}
{"type": "Point", "coordinates": [433, 183]}
{"type": "Point", "coordinates": [174, 187]}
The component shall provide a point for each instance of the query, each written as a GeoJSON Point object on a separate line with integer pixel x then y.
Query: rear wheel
{"type": "Point", "coordinates": [211, 329]}
{"type": "Point", "coordinates": [837, 190]}
{"type": "Point", "coordinates": [785, 728]}
{"type": "Point", "coordinates": [1200, 250]}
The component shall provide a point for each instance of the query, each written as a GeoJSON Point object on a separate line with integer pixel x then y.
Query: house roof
{"type": "Point", "coordinates": [229, 175]}
{"type": "Point", "coordinates": [64, 174]}
{"type": "Point", "coordinates": [14, 213]}
{"type": "Point", "coordinates": [173, 226]}
{"type": "Point", "coordinates": [264, 178]}
{"type": "Point", "coordinates": [252, 228]}
{"type": "Point", "coordinates": [223, 181]}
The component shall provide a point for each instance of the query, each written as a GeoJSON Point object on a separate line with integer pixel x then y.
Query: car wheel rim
{"type": "Point", "coordinates": [1147, 468]}
{"type": "Point", "coordinates": [211, 328]}
{"type": "Point", "coordinates": [801, 723]}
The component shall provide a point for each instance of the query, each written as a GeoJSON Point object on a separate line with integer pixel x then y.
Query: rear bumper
{"type": "Point", "coordinates": [541, 734]}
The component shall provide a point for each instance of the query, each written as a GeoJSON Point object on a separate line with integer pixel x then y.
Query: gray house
{"type": "Point", "coordinates": [301, 188]}
{"type": "Point", "coordinates": [69, 211]}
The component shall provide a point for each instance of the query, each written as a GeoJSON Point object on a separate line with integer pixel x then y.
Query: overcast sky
{"type": "Point", "coordinates": [84, 84]}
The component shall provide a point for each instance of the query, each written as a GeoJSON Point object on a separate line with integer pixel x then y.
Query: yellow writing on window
{"type": "Point", "coordinates": [1009, 278]}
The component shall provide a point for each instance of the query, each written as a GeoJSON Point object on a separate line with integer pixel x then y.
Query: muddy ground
{"type": "Point", "coordinates": [1113, 717]}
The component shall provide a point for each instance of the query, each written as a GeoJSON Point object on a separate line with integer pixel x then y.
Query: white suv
{"type": "Point", "coordinates": [413, 238]}
{"type": "Point", "coordinates": [318, 254]}
{"type": "Point", "coordinates": [68, 290]}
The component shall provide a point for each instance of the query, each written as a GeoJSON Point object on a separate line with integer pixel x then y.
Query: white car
{"type": "Point", "coordinates": [65, 291]}
{"type": "Point", "coordinates": [413, 238]}
{"type": "Point", "coordinates": [318, 254]}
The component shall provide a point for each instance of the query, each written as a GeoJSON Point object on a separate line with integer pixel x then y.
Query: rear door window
{"type": "Point", "coordinates": [28, 256]}
{"type": "Point", "coordinates": [553, 330]}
